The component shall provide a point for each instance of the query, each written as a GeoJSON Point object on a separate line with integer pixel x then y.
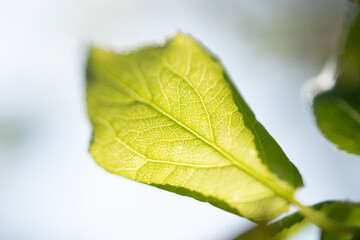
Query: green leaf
{"type": "Point", "coordinates": [169, 116]}
{"type": "Point", "coordinates": [337, 111]}
{"type": "Point", "coordinates": [343, 212]}
{"type": "Point", "coordinates": [347, 213]}
{"type": "Point", "coordinates": [338, 120]}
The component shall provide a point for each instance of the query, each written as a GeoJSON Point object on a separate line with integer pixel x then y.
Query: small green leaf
{"type": "Point", "coordinates": [169, 116]}
{"type": "Point", "coordinates": [346, 213]}
{"type": "Point", "coordinates": [343, 212]}
{"type": "Point", "coordinates": [338, 120]}
{"type": "Point", "coordinates": [337, 111]}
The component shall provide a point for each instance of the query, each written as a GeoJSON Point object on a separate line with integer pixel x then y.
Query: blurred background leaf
{"type": "Point", "coordinates": [337, 111]}
{"type": "Point", "coordinates": [287, 227]}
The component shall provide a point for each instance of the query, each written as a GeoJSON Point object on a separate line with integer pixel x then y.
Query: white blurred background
{"type": "Point", "coordinates": [51, 188]}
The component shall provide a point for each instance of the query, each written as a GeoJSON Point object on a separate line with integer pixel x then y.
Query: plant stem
{"type": "Point", "coordinates": [322, 221]}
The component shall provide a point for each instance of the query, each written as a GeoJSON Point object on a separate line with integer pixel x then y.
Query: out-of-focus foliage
{"type": "Point", "coordinates": [343, 212]}
{"type": "Point", "coordinates": [337, 111]}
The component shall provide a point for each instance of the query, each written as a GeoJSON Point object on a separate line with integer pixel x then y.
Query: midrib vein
{"type": "Point", "coordinates": [168, 66]}
{"type": "Point", "coordinates": [263, 179]}
{"type": "Point", "coordinates": [269, 182]}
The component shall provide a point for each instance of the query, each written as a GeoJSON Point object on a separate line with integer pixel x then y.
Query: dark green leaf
{"type": "Point", "coordinates": [343, 212]}
{"type": "Point", "coordinates": [337, 111]}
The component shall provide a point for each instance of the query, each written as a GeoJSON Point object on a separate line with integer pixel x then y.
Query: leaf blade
{"type": "Point", "coordinates": [170, 117]}
{"type": "Point", "coordinates": [338, 121]}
